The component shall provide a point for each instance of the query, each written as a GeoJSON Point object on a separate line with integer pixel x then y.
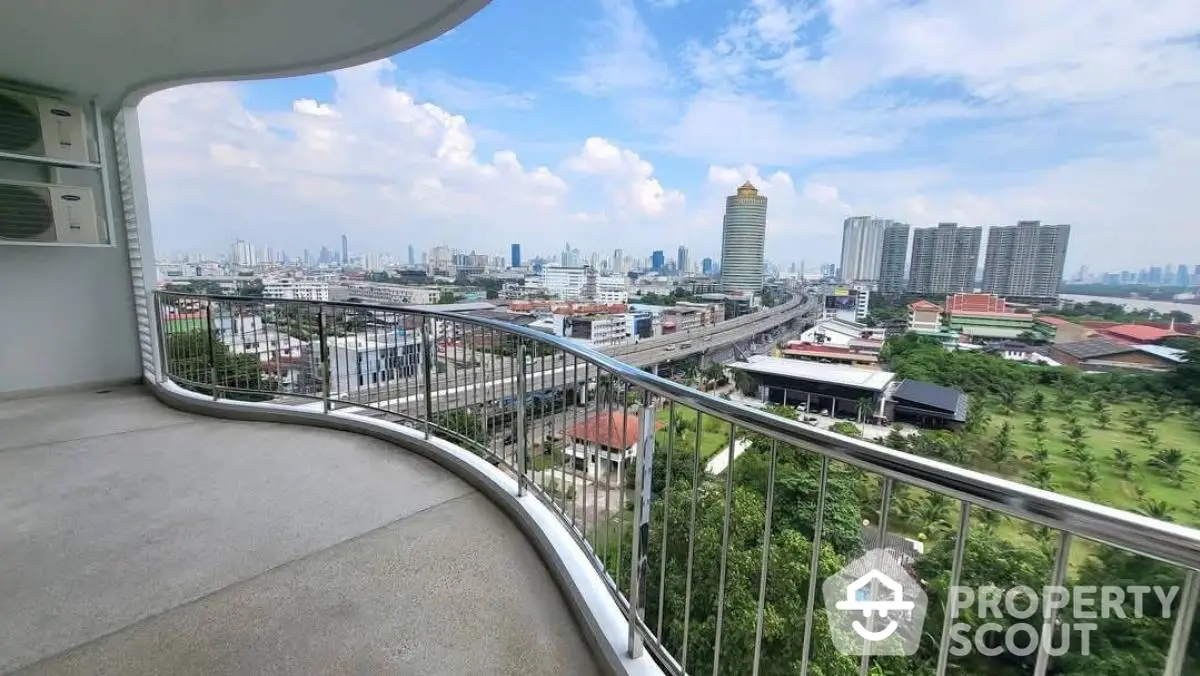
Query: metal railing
{"type": "Point", "coordinates": [712, 522]}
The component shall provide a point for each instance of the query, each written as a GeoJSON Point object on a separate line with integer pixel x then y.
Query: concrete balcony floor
{"type": "Point", "coordinates": [136, 539]}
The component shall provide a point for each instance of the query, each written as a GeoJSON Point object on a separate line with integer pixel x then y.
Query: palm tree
{"type": "Point", "coordinates": [1155, 509]}
{"type": "Point", "coordinates": [1037, 402]}
{"type": "Point", "coordinates": [1039, 454]}
{"type": "Point", "coordinates": [1075, 433]}
{"type": "Point", "coordinates": [1008, 399]}
{"type": "Point", "coordinates": [1042, 477]}
{"type": "Point", "coordinates": [1001, 450]}
{"type": "Point", "coordinates": [1038, 424]}
{"type": "Point", "coordinates": [1102, 418]}
{"type": "Point", "coordinates": [1170, 461]}
{"type": "Point", "coordinates": [1123, 461]}
{"type": "Point", "coordinates": [930, 513]}
{"type": "Point", "coordinates": [1088, 477]}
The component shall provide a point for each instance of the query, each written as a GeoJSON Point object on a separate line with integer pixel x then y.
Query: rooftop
{"type": "Point", "coordinates": [137, 539]}
{"type": "Point", "coordinates": [1053, 321]}
{"type": "Point", "coordinates": [613, 430]}
{"type": "Point", "coordinates": [847, 376]}
{"type": "Point", "coordinates": [949, 400]}
{"type": "Point", "coordinates": [924, 306]}
{"type": "Point", "coordinates": [1093, 347]}
{"type": "Point", "coordinates": [1140, 333]}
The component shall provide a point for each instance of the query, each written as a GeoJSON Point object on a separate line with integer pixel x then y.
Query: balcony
{"type": "Point", "coordinates": [139, 539]}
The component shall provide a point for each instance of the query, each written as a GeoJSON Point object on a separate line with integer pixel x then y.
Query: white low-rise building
{"type": "Point", "coordinates": [392, 294]}
{"type": "Point", "coordinates": [839, 333]}
{"type": "Point", "coordinates": [362, 362]}
{"type": "Point", "coordinates": [578, 283]}
{"type": "Point", "coordinates": [296, 289]}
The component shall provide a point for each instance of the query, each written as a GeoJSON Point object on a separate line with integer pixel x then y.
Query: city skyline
{"type": "Point", "coordinates": [650, 116]}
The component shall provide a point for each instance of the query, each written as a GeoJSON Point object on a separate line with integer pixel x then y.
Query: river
{"type": "Point", "coordinates": [1131, 304]}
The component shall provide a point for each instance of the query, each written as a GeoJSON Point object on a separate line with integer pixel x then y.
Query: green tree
{"type": "Point", "coordinates": [845, 427]}
{"type": "Point", "coordinates": [194, 358]}
{"type": "Point", "coordinates": [1170, 461]}
{"type": "Point", "coordinates": [1000, 450]}
{"type": "Point", "coordinates": [1155, 509]}
{"type": "Point", "coordinates": [1102, 418]}
{"type": "Point", "coordinates": [1123, 461]}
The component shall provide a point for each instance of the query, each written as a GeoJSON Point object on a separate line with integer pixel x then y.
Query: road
{"type": "Point", "coordinates": [495, 378]}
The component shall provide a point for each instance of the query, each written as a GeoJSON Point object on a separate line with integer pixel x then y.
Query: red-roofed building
{"type": "Point", "coordinates": [924, 317]}
{"type": "Point", "coordinates": [976, 302]}
{"type": "Point", "coordinates": [1138, 334]}
{"type": "Point", "coordinates": [831, 354]}
{"type": "Point", "coordinates": [609, 439]}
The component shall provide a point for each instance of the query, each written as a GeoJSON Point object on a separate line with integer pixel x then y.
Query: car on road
{"type": "Point", "coordinates": [671, 348]}
{"type": "Point", "coordinates": [707, 338]}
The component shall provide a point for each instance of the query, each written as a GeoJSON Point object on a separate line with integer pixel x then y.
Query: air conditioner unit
{"type": "Point", "coordinates": [38, 212]}
{"type": "Point", "coordinates": [42, 127]}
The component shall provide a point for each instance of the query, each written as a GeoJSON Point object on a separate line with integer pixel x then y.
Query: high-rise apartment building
{"type": "Point", "coordinates": [862, 248]}
{"type": "Point", "coordinates": [412, 255]}
{"type": "Point", "coordinates": [345, 251]}
{"type": "Point", "coordinates": [743, 240]}
{"type": "Point", "coordinates": [681, 261]}
{"type": "Point", "coordinates": [1181, 276]}
{"type": "Point", "coordinates": [706, 266]}
{"type": "Point", "coordinates": [891, 262]}
{"type": "Point", "coordinates": [1026, 260]}
{"type": "Point", "coordinates": [944, 259]}
{"type": "Point", "coordinates": [657, 260]}
{"type": "Point", "coordinates": [516, 255]}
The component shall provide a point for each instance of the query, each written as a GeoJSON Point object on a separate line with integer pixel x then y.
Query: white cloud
{"type": "Point", "coordinates": [376, 164]}
{"type": "Point", "coordinates": [629, 179]}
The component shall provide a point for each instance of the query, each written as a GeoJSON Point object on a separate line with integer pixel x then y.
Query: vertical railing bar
{"type": "Point", "coordinates": [643, 460]}
{"type": "Point", "coordinates": [766, 556]}
{"type": "Point", "coordinates": [687, 592]}
{"type": "Point", "coordinates": [814, 566]}
{"type": "Point", "coordinates": [666, 502]}
{"type": "Point", "coordinates": [427, 368]}
{"type": "Point", "coordinates": [960, 548]}
{"type": "Point", "coordinates": [724, 550]}
{"type": "Point", "coordinates": [1061, 561]}
{"type": "Point", "coordinates": [522, 394]}
{"type": "Point", "coordinates": [212, 350]}
{"type": "Point", "coordinates": [864, 665]}
{"type": "Point", "coordinates": [1182, 631]}
{"type": "Point", "coordinates": [622, 468]}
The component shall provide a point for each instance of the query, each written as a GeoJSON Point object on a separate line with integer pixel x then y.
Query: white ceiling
{"type": "Point", "coordinates": [121, 50]}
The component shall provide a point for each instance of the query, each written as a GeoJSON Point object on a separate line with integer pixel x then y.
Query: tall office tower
{"type": "Point", "coordinates": [944, 259]}
{"type": "Point", "coordinates": [412, 255]}
{"type": "Point", "coordinates": [682, 261]}
{"type": "Point", "coordinates": [891, 263]}
{"type": "Point", "coordinates": [307, 258]}
{"type": "Point", "coordinates": [743, 239]}
{"type": "Point", "coordinates": [1181, 276]}
{"type": "Point", "coordinates": [618, 262]}
{"type": "Point", "coordinates": [862, 248]}
{"type": "Point", "coordinates": [1155, 276]}
{"type": "Point", "coordinates": [516, 255]}
{"type": "Point", "coordinates": [1196, 273]}
{"type": "Point", "coordinates": [706, 267]}
{"type": "Point", "coordinates": [657, 260]}
{"type": "Point", "coordinates": [1026, 260]}
{"type": "Point", "coordinates": [345, 250]}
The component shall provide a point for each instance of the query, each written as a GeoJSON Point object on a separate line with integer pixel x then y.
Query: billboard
{"type": "Point", "coordinates": [841, 299]}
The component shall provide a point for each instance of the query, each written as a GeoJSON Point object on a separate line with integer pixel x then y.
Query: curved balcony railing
{"type": "Point", "coordinates": [711, 522]}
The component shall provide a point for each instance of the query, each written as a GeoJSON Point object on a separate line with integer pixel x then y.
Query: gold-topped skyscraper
{"type": "Point", "coordinates": [743, 241]}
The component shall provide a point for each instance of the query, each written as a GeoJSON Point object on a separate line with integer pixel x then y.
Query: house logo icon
{"type": "Point", "coordinates": [875, 606]}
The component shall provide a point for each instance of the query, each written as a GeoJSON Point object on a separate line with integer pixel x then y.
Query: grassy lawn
{"type": "Point", "coordinates": [1112, 489]}
{"type": "Point", "coordinates": [714, 434]}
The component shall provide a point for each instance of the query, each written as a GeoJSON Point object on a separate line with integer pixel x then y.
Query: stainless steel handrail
{"type": "Point", "coordinates": [1171, 543]}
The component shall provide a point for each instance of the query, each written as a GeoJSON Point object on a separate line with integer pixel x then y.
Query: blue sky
{"type": "Point", "coordinates": [623, 123]}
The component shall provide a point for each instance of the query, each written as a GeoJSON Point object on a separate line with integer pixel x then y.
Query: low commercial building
{"type": "Point", "coordinates": [830, 354]}
{"type": "Point", "coordinates": [839, 333]}
{"type": "Point", "coordinates": [1059, 330]}
{"type": "Point", "coordinates": [1102, 354]}
{"type": "Point", "coordinates": [1139, 334]}
{"type": "Point", "coordinates": [679, 319]}
{"type": "Point", "coordinates": [392, 294]}
{"type": "Point", "coordinates": [927, 405]}
{"type": "Point", "coordinates": [296, 289]}
{"type": "Point", "coordinates": [831, 388]}
{"type": "Point", "coordinates": [600, 330]}
{"type": "Point", "coordinates": [363, 361]}
{"type": "Point", "coordinates": [711, 313]}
